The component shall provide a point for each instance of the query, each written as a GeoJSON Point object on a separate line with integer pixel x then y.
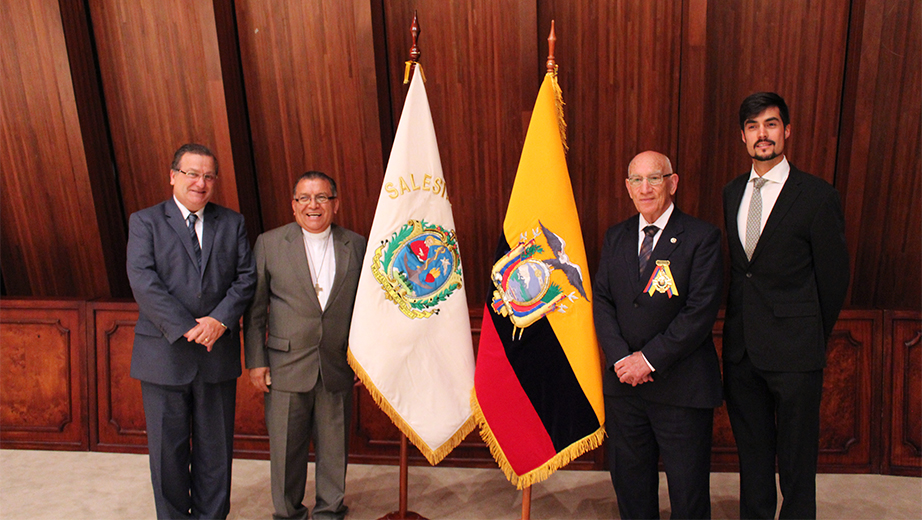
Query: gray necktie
{"type": "Point", "coordinates": [194, 236]}
{"type": "Point", "coordinates": [754, 220]}
{"type": "Point", "coordinates": [646, 248]}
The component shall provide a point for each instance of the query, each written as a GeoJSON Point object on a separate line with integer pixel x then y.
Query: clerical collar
{"type": "Point", "coordinates": [323, 235]}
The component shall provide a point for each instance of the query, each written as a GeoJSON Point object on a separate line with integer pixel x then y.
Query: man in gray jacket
{"type": "Point", "coordinates": [296, 335]}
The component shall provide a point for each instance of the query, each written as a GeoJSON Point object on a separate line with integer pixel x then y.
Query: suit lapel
{"type": "Point", "coordinates": [175, 220]}
{"type": "Point", "coordinates": [734, 199]}
{"type": "Point", "coordinates": [342, 257]}
{"type": "Point", "coordinates": [209, 230]}
{"type": "Point", "coordinates": [628, 246]}
{"type": "Point", "coordinates": [297, 259]}
{"type": "Point", "coordinates": [786, 198]}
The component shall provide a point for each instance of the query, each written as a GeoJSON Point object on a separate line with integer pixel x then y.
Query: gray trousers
{"type": "Point", "coordinates": [293, 419]}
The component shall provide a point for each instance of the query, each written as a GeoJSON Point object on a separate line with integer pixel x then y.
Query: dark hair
{"type": "Point", "coordinates": [758, 103]}
{"type": "Point", "coordinates": [311, 175]}
{"type": "Point", "coordinates": [194, 149]}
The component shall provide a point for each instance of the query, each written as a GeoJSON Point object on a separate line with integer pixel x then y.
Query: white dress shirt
{"type": "Point", "coordinates": [776, 178]}
{"type": "Point", "coordinates": [199, 224]}
{"type": "Point", "coordinates": [660, 223]}
{"type": "Point", "coordinates": [321, 260]}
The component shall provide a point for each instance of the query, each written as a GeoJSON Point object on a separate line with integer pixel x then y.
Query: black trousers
{"type": "Point", "coordinates": [640, 433]}
{"type": "Point", "coordinates": [775, 415]}
{"type": "Point", "coordinates": [190, 437]}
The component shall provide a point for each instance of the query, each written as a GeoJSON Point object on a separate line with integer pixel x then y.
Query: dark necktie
{"type": "Point", "coordinates": [646, 249]}
{"type": "Point", "coordinates": [194, 236]}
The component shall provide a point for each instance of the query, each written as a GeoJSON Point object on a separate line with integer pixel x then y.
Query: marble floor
{"type": "Point", "coordinates": [92, 485]}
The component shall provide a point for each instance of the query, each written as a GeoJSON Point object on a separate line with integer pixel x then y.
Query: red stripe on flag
{"type": "Point", "coordinates": [505, 406]}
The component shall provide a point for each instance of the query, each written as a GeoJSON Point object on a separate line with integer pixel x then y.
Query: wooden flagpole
{"type": "Point", "coordinates": [526, 503]}
{"type": "Point", "coordinates": [551, 65]}
{"type": "Point", "coordinates": [402, 513]}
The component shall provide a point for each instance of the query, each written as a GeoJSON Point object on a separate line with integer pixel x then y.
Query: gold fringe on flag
{"type": "Point", "coordinates": [542, 472]}
{"type": "Point", "coordinates": [558, 97]}
{"type": "Point", "coordinates": [434, 456]}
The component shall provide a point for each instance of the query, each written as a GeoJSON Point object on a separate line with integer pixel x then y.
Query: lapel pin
{"type": "Point", "coordinates": [673, 240]}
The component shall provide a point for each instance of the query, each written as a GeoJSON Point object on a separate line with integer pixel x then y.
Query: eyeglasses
{"type": "Point", "coordinates": [194, 176]}
{"type": "Point", "coordinates": [655, 180]}
{"type": "Point", "coordinates": [320, 199]}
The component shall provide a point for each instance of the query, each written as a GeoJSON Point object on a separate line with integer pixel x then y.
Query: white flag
{"type": "Point", "coordinates": [410, 341]}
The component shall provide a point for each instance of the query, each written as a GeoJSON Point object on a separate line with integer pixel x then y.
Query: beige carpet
{"type": "Point", "coordinates": [89, 485]}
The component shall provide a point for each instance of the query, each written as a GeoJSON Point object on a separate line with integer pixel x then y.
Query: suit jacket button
{"type": "Point", "coordinates": [199, 296]}
{"type": "Point", "coordinates": [748, 275]}
{"type": "Point", "coordinates": [636, 305]}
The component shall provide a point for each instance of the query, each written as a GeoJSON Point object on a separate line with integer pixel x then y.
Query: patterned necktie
{"type": "Point", "coordinates": [646, 249]}
{"type": "Point", "coordinates": [194, 236]}
{"type": "Point", "coordinates": [754, 219]}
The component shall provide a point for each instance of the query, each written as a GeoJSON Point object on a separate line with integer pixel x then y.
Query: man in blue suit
{"type": "Point", "coordinates": [656, 298]}
{"type": "Point", "coordinates": [192, 274]}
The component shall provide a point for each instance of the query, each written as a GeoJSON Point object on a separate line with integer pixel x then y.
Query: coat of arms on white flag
{"type": "Point", "coordinates": [410, 340]}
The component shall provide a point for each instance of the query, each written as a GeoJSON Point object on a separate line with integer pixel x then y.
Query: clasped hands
{"type": "Point", "coordinates": [206, 332]}
{"type": "Point", "coordinates": [633, 370]}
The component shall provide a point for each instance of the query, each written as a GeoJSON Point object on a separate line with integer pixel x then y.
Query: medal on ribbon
{"type": "Point", "coordinates": [661, 280]}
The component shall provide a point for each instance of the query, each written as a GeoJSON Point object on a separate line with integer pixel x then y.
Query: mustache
{"type": "Point", "coordinates": [768, 141]}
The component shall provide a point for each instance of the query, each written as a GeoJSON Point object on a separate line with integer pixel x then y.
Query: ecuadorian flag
{"type": "Point", "coordinates": [538, 380]}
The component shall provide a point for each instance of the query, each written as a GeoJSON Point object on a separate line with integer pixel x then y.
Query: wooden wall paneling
{"type": "Point", "coordinates": [47, 215]}
{"type": "Point", "coordinates": [797, 51]}
{"type": "Point", "coordinates": [238, 124]}
{"type": "Point", "coordinates": [119, 424]}
{"type": "Point", "coordinates": [251, 438]}
{"type": "Point", "coordinates": [879, 167]}
{"type": "Point", "coordinates": [309, 70]}
{"type": "Point", "coordinates": [619, 66]}
{"type": "Point", "coordinates": [902, 431]}
{"type": "Point", "coordinates": [849, 431]}
{"type": "Point", "coordinates": [723, 446]}
{"type": "Point", "coordinates": [163, 83]}
{"type": "Point", "coordinates": [43, 381]}
{"type": "Point", "coordinates": [483, 68]}
{"type": "Point", "coordinates": [97, 145]}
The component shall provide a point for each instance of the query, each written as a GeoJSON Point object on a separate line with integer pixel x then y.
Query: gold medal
{"type": "Point", "coordinates": [661, 280]}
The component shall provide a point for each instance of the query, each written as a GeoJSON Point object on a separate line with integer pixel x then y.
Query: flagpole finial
{"type": "Point", "coordinates": [551, 40]}
{"type": "Point", "coordinates": [415, 53]}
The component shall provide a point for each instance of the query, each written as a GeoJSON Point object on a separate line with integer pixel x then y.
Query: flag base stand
{"type": "Point", "coordinates": [402, 513]}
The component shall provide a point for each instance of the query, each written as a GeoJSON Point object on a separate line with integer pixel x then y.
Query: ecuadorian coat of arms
{"type": "Point", "coordinates": [522, 278]}
{"type": "Point", "coordinates": [418, 267]}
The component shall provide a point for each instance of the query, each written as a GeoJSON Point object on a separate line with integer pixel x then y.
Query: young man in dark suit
{"type": "Point", "coordinates": [789, 277]}
{"type": "Point", "coordinates": [192, 274]}
{"type": "Point", "coordinates": [296, 334]}
{"type": "Point", "coordinates": [656, 298]}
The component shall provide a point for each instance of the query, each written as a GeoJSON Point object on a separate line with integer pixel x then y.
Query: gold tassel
{"type": "Point", "coordinates": [558, 96]}
{"type": "Point", "coordinates": [409, 67]}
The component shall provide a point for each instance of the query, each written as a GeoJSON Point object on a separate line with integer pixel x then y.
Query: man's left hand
{"type": "Point", "coordinates": [633, 370]}
{"type": "Point", "coordinates": [206, 332]}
